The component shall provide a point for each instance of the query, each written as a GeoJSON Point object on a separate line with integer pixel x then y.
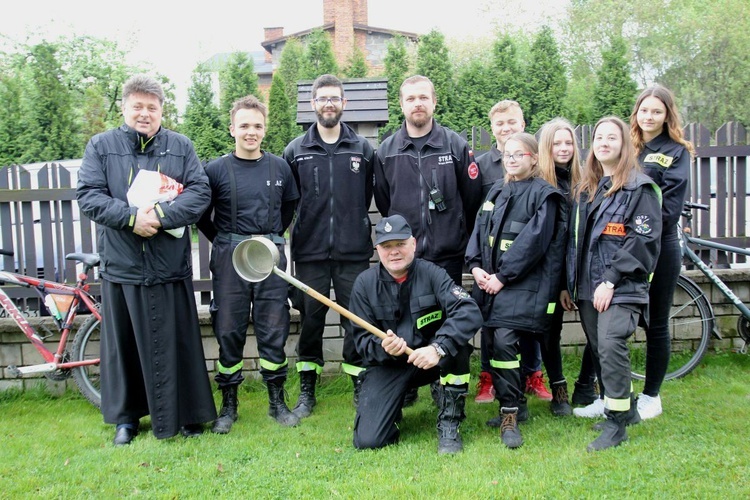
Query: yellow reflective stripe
{"type": "Point", "coordinates": [617, 404]}
{"type": "Point", "coordinates": [488, 206]}
{"type": "Point", "coordinates": [157, 207]}
{"type": "Point", "coordinates": [228, 370]}
{"type": "Point", "coordinates": [429, 318]}
{"type": "Point", "coordinates": [132, 221]}
{"type": "Point", "coordinates": [551, 307]}
{"type": "Point", "coordinates": [452, 379]}
{"type": "Point", "coordinates": [268, 365]}
{"type": "Point", "coordinates": [308, 366]}
{"type": "Point", "coordinates": [491, 240]}
{"type": "Point", "coordinates": [505, 245]}
{"type": "Point", "coordinates": [505, 365]}
{"type": "Point", "coordinates": [650, 277]}
{"type": "Point", "coordinates": [352, 370]}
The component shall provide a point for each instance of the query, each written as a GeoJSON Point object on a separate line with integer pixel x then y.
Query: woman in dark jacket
{"type": "Point", "coordinates": [614, 244]}
{"type": "Point", "coordinates": [515, 255]}
{"type": "Point", "coordinates": [665, 156]}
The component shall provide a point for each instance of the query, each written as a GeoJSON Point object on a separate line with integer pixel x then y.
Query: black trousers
{"type": "Point", "coordinates": [318, 275]}
{"type": "Point", "coordinates": [663, 283]}
{"type": "Point", "coordinates": [382, 396]}
{"type": "Point", "coordinates": [234, 301]}
{"type": "Point", "coordinates": [530, 349]}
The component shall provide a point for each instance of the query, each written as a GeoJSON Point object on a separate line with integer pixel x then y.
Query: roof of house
{"type": "Point", "coordinates": [269, 44]}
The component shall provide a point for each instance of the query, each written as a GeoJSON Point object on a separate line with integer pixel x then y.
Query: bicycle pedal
{"type": "Point", "coordinates": [13, 371]}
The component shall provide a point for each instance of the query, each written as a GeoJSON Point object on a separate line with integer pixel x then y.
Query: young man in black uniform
{"type": "Point", "coordinates": [419, 306]}
{"type": "Point", "coordinates": [331, 235]}
{"type": "Point", "coordinates": [253, 193]}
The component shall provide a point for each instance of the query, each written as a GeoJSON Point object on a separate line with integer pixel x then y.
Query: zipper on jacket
{"type": "Point", "coordinates": [330, 218]}
{"type": "Point", "coordinates": [316, 181]}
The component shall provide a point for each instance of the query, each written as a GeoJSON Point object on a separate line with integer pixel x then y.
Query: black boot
{"type": "Point", "coordinates": [357, 383]}
{"type": "Point", "coordinates": [632, 416]}
{"type": "Point", "coordinates": [306, 401]}
{"type": "Point", "coordinates": [560, 406]}
{"type": "Point", "coordinates": [584, 394]}
{"type": "Point", "coordinates": [452, 401]}
{"type": "Point", "coordinates": [277, 407]}
{"type": "Point", "coordinates": [412, 394]}
{"type": "Point", "coordinates": [228, 412]}
{"type": "Point", "coordinates": [509, 431]}
{"type": "Point", "coordinates": [521, 416]}
{"type": "Point", "coordinates": [613, 431]}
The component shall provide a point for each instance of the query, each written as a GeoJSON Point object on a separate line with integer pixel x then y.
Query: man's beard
{"type": "Point", "coordinates": [329, 122]}
{"type": "Point", "coordinates": [418, 122]}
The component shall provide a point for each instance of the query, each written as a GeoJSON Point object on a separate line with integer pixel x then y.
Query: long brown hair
{"type": "Point", "coordinates": [672, 123]}
{"type": "Point", "coordinates": [531, 146]}
{"type": "Point", "coordinates": [547, 161]}
{"type": "Point", "coordinates": [626, 165]}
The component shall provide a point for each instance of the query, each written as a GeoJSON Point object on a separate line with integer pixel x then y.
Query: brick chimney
{"type": "Point", "coordinates": [360, 12]}
{"type": "Point", "coordinates": [272, 34]}
{"type": "Point", "coordinates": [341, 14]}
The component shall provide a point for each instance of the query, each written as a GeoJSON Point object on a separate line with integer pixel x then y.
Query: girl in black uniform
{"type": "Point", "coordinates": [614, 243]}
{"type": "Point", "coordinates": [560, 165]}
{"type": "Point", "coordinates": [515, 255]}
{"type": "Point", "coordinates": [665, 156]}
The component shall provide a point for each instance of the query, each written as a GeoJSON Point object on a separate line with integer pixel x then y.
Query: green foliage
{"type": "Point", "coordinates": [356, 66]}
{"type": "Point", "coordinates": [506, 75]}
{"type": "Point", "coordinates": [291, 69]}
{"type": "Point", "coordinates": [202, 122]}
{"type": "Point", "coordinates": [578, 104]}
{"type": "Point", "coordinates": [473, 96]}
{"type": "Point", "coordinates": [11, 119]}
{"type": "Point", "coordinates": [434, 63]}
{"type": "Point", "coordinates": [319, 57]}
{"type": "Point", "coordinates": [237, 78]}
{"type": "Point", "coordinates": [615, 90]}
{"type": "Point", "coordinates": [281, 127]}
{"type": "Point", "coordinates": [170, 114]}
{"type": "Point", "coordinates": [696, 449]}
{"type": "Point", "coordinates": [396, 68]}
{"type": "Point", "coordinates": [547, 82]}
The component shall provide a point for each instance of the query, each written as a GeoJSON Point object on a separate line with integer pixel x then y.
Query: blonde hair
{"type": "Point", "coordinates": [672, 123]}
{"type": "Point", "coordinates": [529, 143]}
{"type": "Point", "coordinates": [504, 106]}
{"type": "Point", "coordinates": [626, 165]}
{"type": "Point", "coordinates": [547, 161]}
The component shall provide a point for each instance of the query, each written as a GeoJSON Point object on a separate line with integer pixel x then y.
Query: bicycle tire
{"type": "Point", "coordinates": [85, 347]}
{"type": "Point", "coordinates": [691, 322]}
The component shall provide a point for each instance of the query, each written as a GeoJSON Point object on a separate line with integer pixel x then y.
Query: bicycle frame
{"type": "Point", "coordinates": [693, 257]}
{"type": "Point", "coordinates": [53, 360]}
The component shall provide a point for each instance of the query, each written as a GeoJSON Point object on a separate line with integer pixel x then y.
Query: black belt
{"type": "Point", "coordinates": [279, 240]}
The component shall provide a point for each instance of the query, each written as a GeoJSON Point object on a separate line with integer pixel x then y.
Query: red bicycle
{"type": "Point", "coordinates": [62, 302]}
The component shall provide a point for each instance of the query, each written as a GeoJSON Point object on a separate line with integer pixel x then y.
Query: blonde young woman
{"type": "Point", "coordinates": [614, 244]}
{"type": "Point", "coordinates": [515, 255]}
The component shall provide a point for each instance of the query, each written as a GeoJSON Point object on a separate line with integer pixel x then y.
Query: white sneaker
{"type": "Point", "coordinates": [649, 407]}
{"type": "Point", "coordinates": [594, 410]}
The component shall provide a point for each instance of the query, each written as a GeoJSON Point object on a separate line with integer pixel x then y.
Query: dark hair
{"type": "Point", "coordinates": [142, 84]}
{"type": "Point", "coordinates": [672, 123]}
{"type": "Point", "coordinates": [248, 102]}
{"type": "Point", "coordinates": [326, 81]}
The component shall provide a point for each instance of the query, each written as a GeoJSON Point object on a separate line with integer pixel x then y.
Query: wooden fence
{"type": "Point", "coordinates": [41, 223]}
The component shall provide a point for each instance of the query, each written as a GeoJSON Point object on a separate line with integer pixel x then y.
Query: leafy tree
{"type": "Point", "coordinates": [356, 65]}
{"type": "Point", "coordinates": [11, 120]}
{"type": "Point", "coordinates": [202, 123]}
{"type": "Point", "coordinates": [615, 89]}
{"type": "Point", "coordinates": [473, 95]}
{"type": "Point", "coordinates": [578, 105]}
{"type": "Point", "coordinates": [170, 114]}
{"type": "Point", "coordinates": [505, 73]}
{"type": "Point", "coordinates": [237, 78]}
{"type": "Point", "coordinates": [291, 69]}
{"type": "Point", "coordinates": [547, 83]}
{"type": "Point", "coordinates": [319, 57]}
{"type": "Point", "coordinates": [396, 68]}
{"type": "Point", "coordinates": [434, 63]}
{"type": "Point", "coordinates": [280, 126]}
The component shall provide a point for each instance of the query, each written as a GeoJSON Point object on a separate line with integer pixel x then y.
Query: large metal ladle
{"type": "Point", "coordinates": [255, 259]}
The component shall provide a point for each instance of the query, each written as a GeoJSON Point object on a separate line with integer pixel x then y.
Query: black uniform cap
{"type": "Point", "coordinates": [390, 228]}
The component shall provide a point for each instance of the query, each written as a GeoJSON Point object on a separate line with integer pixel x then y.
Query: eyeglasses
{"type": "Point", "coordinates": [518, 156]}
{"type": "Point", "coordinates": [323, 100]}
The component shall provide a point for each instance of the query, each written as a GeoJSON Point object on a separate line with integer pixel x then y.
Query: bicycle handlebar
{"type": "Point", "coordinates": [690, 205]}
{"type": "Point", "coordinates": [9, 253]}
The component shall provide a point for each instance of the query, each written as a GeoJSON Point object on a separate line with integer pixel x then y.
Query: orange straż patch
{"type": "Point", "coordinates": [614, 229]}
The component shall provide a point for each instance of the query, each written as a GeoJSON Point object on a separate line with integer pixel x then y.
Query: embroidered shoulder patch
{"type": "Point", "coordinates": [473, 171]}
{"type": "Point", "coordinates": [642, 225]}
{"type": "Point", "coordinates": [661, 159]}
{"type": "Point", "coordinates": [459, 292]}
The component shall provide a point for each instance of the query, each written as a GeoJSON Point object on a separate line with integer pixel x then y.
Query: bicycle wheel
{"type": "Point", "coordinates": [690, 325]}
{"type": "Point", "coordinates": [85, 347]}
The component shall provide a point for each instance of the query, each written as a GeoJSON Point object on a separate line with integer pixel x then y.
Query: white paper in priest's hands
{"type": "Point", "coordinates": [149, 188]}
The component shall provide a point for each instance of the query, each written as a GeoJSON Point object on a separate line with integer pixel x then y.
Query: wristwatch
{"type": "Point", "coordinates": [440, 351]}
{"type": "Point", "coordinates": [609, 285]}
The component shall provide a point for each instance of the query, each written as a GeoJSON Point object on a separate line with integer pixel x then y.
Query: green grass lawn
{"type": "Point", "coordinates": [699, 448]}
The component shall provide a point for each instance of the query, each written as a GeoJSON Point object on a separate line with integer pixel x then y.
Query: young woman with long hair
{"type": "Point", "coordinates": [665, 156]}
{"type": "Point", "coordinates": [614, 244]}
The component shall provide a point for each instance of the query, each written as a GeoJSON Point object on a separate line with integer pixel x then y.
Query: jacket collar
{"type": "Point", "coordinates": [312, 138]}
{"type": "Point", "coordinates": [657, 142]}
{"type": "Point", "coordinates": [434, 139]}
{"type": "Point", "coordinates": [139, 141]}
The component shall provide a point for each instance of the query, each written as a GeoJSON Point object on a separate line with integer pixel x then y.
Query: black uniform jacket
{"type": "Point", "coordinates": [624, 239]}
{"type": "Point", "coordinates": [405, 176]}
{"type": "Point", "coordinates": [335, 195]}
{"type": "Point", "coordinates": [428, 307]}
{"type": "Point", "coordinates": [520, 238]}
{"type": "Point", "coordinates": [668, 163]}
{"type": "Point", "coordinates": [491, 168]}
{"type": "Point", "coordinates": [110, 163]}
